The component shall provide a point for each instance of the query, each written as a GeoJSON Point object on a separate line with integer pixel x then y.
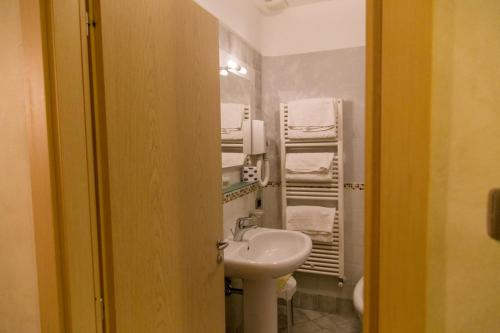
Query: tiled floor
{"type": "Point", "coordinates": [308, 321]}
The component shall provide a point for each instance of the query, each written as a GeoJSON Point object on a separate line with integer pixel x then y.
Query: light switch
{"type": "Point", "coordinates": [494, 214]}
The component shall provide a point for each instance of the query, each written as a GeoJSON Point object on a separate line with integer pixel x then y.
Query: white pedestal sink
{"type": "Point", "coordinates": [263, 256]}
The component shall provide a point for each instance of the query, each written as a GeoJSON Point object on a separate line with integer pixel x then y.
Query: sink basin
{"type": "Point", "coordinates": [262, 256]}
{"type": "Point", "coordinates": [266, 254]}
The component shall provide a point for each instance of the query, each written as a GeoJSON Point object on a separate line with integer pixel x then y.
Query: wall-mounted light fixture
{"type": "Point", "coordinates": [231, 64]}
{"type": "Point", "coordinates": [243, 71]}
{"type": "Point", "coordinates": [234, 67]}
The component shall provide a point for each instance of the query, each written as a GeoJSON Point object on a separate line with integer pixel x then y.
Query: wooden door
{"type": "Point", "coordinates": [159, 130]}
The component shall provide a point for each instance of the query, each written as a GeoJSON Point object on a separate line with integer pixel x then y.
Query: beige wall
{"type": "Point", "coordinates": [18, 287]}
{"type": "Point", "coordinates": [464, 272]}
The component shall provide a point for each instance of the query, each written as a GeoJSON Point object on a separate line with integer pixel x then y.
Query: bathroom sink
{"type": "Point", "coordinates": [266, 254]}
{"type": "Point", "coordinates": [262, 256]}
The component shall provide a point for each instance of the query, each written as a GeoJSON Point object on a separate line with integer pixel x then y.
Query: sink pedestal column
{"type": "Point", "coordinates": [260, 306]}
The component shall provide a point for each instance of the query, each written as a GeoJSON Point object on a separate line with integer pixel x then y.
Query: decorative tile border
{"type": "Point", "coordinates": [240, 193]}
{"type": "Point", "coordinates": [354, 186]}
{"type": "Point", "coordinates": [347, 186]}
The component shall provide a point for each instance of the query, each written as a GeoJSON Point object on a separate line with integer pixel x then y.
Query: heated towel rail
{"type": "Point", "coordinates": [327, 258]}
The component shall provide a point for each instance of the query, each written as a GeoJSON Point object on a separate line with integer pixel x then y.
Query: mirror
{"type": "Point", "coordinates": [236, 106]}
{"type": "Point", "coordinates": [235, 89]}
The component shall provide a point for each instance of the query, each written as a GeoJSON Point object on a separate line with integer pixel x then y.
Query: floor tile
{"type": "Point", "coordinates": [327, 322]}
{"type": "Point", "coordinates": [345, 307]}
{"type": "Point", "coordinates": [299, 316]}
{"type": "Point", "coordinates": [320, 322]}
{"type": "Point", "coordinates": [307, 327]}
{"type": "Point", "coordinates": [312, 315]}
{"type": "Point", "coordinates": [326, 304]}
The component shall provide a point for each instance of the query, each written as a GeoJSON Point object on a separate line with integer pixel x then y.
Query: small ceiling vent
{"type": "Point", "coordinates": [271, 6]}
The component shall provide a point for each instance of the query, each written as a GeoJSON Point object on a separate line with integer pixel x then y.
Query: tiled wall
{"type": "Point", "coordinates": [234, 209]}
{"type": "Point", "coordinates": [336, 73]}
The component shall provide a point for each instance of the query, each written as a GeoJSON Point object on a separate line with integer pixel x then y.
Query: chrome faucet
{"type": "Point", "coordinates": [243, 224]}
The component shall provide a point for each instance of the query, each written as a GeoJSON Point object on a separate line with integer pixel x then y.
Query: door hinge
{"type": "Point", "coordinates": [101, 307]}
{"type": "Point", "coordinates": [89, 23]}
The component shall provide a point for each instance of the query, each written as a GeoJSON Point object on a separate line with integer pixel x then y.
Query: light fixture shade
{"type": "Point", "coordinates": [271, 6]}
{"type": "Point", "coordinates": [224, 72]}
{"type": "Point", "coordinates": [243, 71]}
{"type": "Point", "coordinates": [231, 64]}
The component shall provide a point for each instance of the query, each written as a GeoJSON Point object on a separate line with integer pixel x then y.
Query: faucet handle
{"type": "Point", "coordinates": [247, 222]}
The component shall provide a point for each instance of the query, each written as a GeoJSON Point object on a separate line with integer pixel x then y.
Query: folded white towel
{"type": "Point", "coordinates": [308, 162]}
{"type": "Point", "coordinates": [327, 133]}
{"type": "Point", "coordinates": [233, 159]}
{"type": "Point", "coordinates": [314, 114]}
{"type": "Point", "coordinates": [320, 236]}
{"type": "Point", "coordinates": [309, 177]}
{"type": "Point", "coordinates": [232, 135]}
{"type": "Point", "coordinates": [310, 219]}
{"type": "Point", "coordinates": [231, 117]}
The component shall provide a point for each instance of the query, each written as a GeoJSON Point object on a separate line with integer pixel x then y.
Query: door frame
{"type": "Point", "coordinates": [372, 164]}
{"type": "Point", "coordinates": [42, 159]}
{"type": "Point", "coordinates": [387, 32]}
{"type": "Point", "coordinates": [61, 163]}
{"type": "Point", "coordinates": [398, 97]}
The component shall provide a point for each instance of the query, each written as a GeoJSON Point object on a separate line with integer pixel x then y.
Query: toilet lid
{"type": "Point", "coordinates": [358, 295]}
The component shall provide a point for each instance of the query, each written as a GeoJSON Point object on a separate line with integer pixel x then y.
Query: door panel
{"type": "Point", "coordinates": [161, 101]}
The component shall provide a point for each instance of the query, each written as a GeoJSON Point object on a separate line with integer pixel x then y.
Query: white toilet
{"type": "Point", "coordinates": [358, 297]}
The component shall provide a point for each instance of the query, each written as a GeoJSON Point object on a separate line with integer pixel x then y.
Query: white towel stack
{"type": "Point", "coordinates": [231, 121]}
{"type": "Point", "coordinates": [233, 159]}
{"type": "Point", "coordinates": [315, 221]}
{"type": "Point", "coordinates": [312, 118]}
{"type": "Point", "coordinates": [309, 167]}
